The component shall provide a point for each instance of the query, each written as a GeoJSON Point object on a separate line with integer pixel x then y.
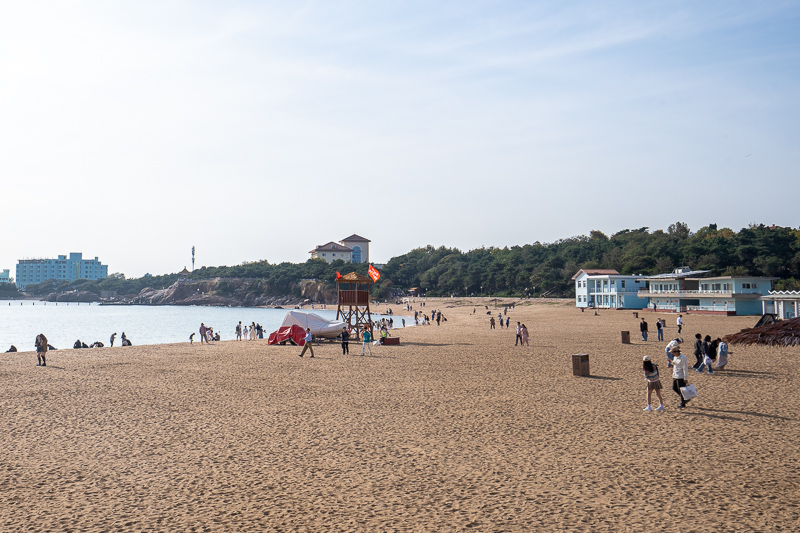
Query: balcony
{"type": "Point", "coordinates": [644, 293]}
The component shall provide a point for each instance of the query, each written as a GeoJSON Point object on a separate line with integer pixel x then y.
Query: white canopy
{"type": "Point", "coordinates": [320, 327]}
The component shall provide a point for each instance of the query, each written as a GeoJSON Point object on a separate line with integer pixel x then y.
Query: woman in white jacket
{"type": "Point", "coordinates": [680, 371]}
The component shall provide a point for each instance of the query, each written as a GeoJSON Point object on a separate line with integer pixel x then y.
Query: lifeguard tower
{"type": "Point", "coordinates": [353, 305]}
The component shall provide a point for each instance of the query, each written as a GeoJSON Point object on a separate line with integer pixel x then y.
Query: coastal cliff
{"type": "Point", "coordinates": [235, 292]}
{"type": "Point", "coordinates": [217, 292]}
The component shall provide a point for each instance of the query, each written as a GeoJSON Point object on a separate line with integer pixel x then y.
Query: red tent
{"type": "Point", "coordinates": [293, 334]}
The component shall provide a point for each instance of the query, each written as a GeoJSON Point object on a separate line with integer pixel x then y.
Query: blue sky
{"type": "Point", "coordinates": [133, 131]}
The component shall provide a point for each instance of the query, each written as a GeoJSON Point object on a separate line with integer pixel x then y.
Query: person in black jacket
{"type": "Point", "coordinates": [643, 329]}
{"type": "Point", "coordinates": [698, 350]}
{"type": "Point", "coordinates": [345, 341]}
{"type": "Point", "coordinates": [705, 350]}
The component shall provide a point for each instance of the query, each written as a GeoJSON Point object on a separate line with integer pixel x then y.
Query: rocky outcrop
{"type": "Point", "coordinates": [235, 292]}
{"type": "Point", "coordinates": [72, 296]}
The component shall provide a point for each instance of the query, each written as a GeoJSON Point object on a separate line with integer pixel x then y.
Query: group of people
{"type": "Point", "coordinates": [365, 334]}
{"type": "Point", "coordinates": [207, 335]}
{"type": "Point", "coordinates": [661, 325]}
{"type": "Point", "coordinates": [522, 335]}
{"type": "Point", "coordinates": [706, 352]}
{"type": "Point", "coordinates": [679, 379]}
{"type": "Point", "coordinates": [254, 331]}
{"type": "Point", "coordinates": [420, 317]}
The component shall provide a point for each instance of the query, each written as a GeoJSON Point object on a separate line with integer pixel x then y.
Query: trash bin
{"type": "Point", "coordinates": [636, 314]}
{"type": "Point", "coordinates": [580, 364]}
{"type": "Point", "coordinates": [626, 337]}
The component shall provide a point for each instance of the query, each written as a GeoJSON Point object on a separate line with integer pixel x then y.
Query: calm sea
{"type": "Point", "coordinates": [64, 323]}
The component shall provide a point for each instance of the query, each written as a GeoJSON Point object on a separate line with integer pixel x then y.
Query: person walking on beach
{"type": "Point", "coordinates": [203, 330]}
{"type": "Point", "coordinates": [239, 331]}
{"type": "Point", "coordinates": [41, 350]}
{"type": "Point", "coordinates": [111, 341]}
{"type": "Point", "coordinates": [660, 330]}
{"type": "Point", "coordinates": [307, 344]}
{"type": "Point", "coordinates": [680, 323]}
{"type": "Point", "coordinates": [191, 338]}
{"type": "Point", "coordinates": [366, 341]}
{"type": "Point", "coordinates": [524, 335]}
{"type": "Point", "coordinates": [518, 339]}
{"type": "Point", "coordinates": [722, 354]}
{"type": "Point", "coordinates": [491, 323]}
{"type": "Point", "coordinates": [680, 372]}
{"type": "Point", "coordinates": [674, 343]}
{"type": "Point", "coordinates": [653, 383]}
{"type": "Point", "coordinates": [706, 350]}
{"type": "Point", "coordinates": [698, 350]}
{"type": "Point", "coordinates": [345, 342]}
{"type": "Point", "coordinates": [643, 329]}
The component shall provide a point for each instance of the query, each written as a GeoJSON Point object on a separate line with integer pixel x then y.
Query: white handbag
{"type": "Point", "coordinates": [688, 392]}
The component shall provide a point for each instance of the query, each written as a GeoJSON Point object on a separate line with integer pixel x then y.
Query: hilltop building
{"type": "Point", "coordinates": [608, 289]}
{"type": "Point", "coordinates": [683, 290]}
{"type": "Point", "coordinates": [353, 249]}
{"type": "Point", "coordinates": [5, 276]}
{"type": "Point", "coordinates": [32, 271]}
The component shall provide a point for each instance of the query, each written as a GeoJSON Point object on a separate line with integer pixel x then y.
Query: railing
{"type": "Point", "coordinates": [623, 291]}
{"type": "Point", "coordinates": [708, 308]}
{"type": "Point", "coordinates": [681, 291]}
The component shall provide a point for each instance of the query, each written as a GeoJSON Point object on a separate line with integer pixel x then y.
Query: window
{"type": "Point", "coordinates": [745, 285]}
{"type": "Point", "coordinates": [622, 283]}
{"type": "Point", "coordinates": [356, 256]}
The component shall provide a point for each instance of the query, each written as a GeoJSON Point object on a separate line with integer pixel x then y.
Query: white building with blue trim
{"type": "Point", "coordinates": [685, 291]}
{"type": "Point", "coordinates": [33, 271]}
{"type": "Point", "coordinates": [608, 289]}
{"type": "Point", "coordinates": [5, 276]}
{"type": "Point", "coordinates": [783, 304]}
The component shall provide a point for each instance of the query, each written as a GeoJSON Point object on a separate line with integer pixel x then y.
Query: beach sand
{"type": "Point", "coordinates": [456, 429]}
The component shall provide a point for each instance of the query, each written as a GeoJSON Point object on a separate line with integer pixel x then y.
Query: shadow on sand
{"type": "Point", "coordinates": [607, 378]}
{"type": "Point", "coordinates": [709, 412]}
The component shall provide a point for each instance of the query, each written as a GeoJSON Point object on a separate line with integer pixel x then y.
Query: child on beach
{"type": "Point", "coordinates": [653, 383]}
{"type": "Point", "coordinates": [41, 350]}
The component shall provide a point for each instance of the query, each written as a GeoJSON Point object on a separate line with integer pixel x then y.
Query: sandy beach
{"type": "Point", "coordinates": [455, 429]}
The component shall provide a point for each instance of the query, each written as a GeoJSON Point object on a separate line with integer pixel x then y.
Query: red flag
{"type": "Point", "coordinates": [373, 273]}
{"type": "Point", "coordinates": [338, 275]}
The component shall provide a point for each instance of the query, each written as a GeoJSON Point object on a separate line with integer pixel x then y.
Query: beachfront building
{"type": "Point", "coordinates": [605, 288]}
{"type": "Point", "coordinates": [783, 304]}
{"type": "Point", "coordinates": [32, 271]}
{"type": "Point", "coordinates": [353, 249]}
{"type": "Point", "coordinates": [5, 276]}
{"type": "Point", "coordinates": [685, 291]}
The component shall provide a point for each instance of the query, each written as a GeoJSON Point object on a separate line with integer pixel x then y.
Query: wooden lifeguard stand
{"type": "Point", "coordinates": [353, 305]}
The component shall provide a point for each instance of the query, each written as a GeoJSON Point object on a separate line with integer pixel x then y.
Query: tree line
{"type": "Point", "coordinates": [538, 269]}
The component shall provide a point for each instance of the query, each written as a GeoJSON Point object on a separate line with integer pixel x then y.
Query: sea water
{"type": "Point", "coordinates": [64, 323]}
